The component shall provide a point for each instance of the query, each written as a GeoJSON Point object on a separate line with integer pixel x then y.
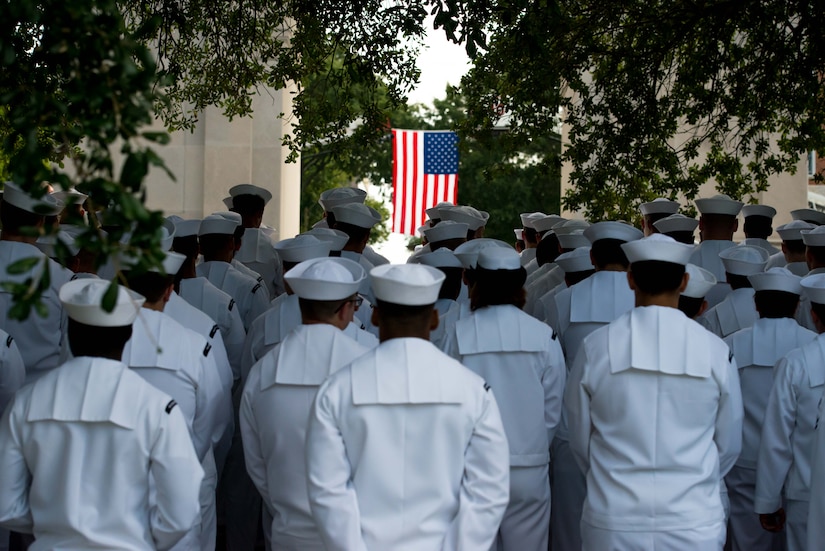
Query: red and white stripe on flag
{"type": "Point", "coordinates": [424, 173]}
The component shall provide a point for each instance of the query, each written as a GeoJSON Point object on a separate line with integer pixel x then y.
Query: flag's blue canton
{"type": "Point", "coordinates": [440, 153]}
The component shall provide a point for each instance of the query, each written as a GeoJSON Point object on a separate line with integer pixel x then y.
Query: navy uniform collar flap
{"type": "Point", "coordinates": [737, 311]}
{"type": "Point", "coordinates": [256, 246]}
{"type": "Point", "coordinates": [194, 287]}
{"type": "Point", "coordinates": [501, 329]}
{"type": "Point", "coordinates": [774, 338]}
{"type": "Point", "coordinates": [308, 356]}
{"type": "Point", "coordinates": [815, 362]}
{"type": "Point", "coordinates": [708, 256]}
{"type": "Point", "coordinates": [659, 339]}
{"type": "Point", "coordinates": [600, 298]}
{"type": "Point", "coordinates": [405, 371]}
{"type": "Point", "coordinates": [156, 342]}
{"type": "Point", "coordinates": [88, 390]}
{"type": "Point", "coordinates": [281, 319]}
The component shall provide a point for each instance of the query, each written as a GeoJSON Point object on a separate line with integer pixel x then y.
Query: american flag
{"type": "Point", "coordinates": [424, 173]}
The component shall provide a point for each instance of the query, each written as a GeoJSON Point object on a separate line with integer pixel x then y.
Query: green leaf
{"type": "Point", "coordinates": [110, 297]}
{"type": "Point", "coordinates": [22, 266]}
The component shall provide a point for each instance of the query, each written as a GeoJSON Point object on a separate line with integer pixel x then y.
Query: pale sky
{"type": "Point", "coordinates": [441, 62]}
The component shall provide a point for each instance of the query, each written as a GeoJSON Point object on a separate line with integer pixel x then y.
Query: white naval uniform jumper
{"type": "Point", "coordinates": [251, 298]}
{"type": "Point", "coordinates": [79, 449]}
{"type": "Point", "coordinates": [787, 438]}
{"type": "Point", "coordinates": [655, 415]}
{"type": "Point", "coordinates": [406, 451]}
{"type": "Point", "coordinates": [258, 254]}
{"type": "Point", "coordinates": [706, 255]}
{"type": "Point", "coordinates": [816, 511]}
{"type": "Point", "coordinates": [549, 277]}
{"type": "Point", "coordinates": [756, 350]}
{"type": "Point", "coordinates": [762, 244]}
{"type": "Point", "coordinates": [527, 255]}
{"type": "Point", "coordinates": [521, 360]}
{"type": "Point", "coordinates": [544, 301]}
{"type": "Point", "coordinates": [448, 314]}
{"type": "Point", "coordinates": [736, 311]}
{"type": "Point", "coordinates": [275, 408]}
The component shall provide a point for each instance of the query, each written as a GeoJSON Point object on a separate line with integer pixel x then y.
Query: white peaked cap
{"type": "Point", "coordinates": [228, 202]}
{"type": "Point", "coordinates": [229, 215]}
{"type": "Point", "coordinates": [498, 258]}
{"type": "Point", "coordinates": [356, 214]}
{"type": "Point", "coordinates": [744, 260]}
{"type": "Point", "coordinates": [82, 299]}
{"type": "Point", "coordinates": [676, 222]}
{"type": "Point", "coordinates": [612, 230]}
{"type": "Point", "coordinates": [657, 247]}
{"type": "Point", "coordinates": [301, 248]}
{"type": "Point", "coordinates": [435, 212]}
{"type": "Point", "coordinates": [48, 205]}
{"type": "Point", "coordinates": [659, 206]}
{"type": "Point", "coordinates": [336, 238]}
{"type": "Point", "coordinates": [577, 260]}
{"type": "Point", "coordinates": [325, 278]}
{"type": "Point", "coordinates": [758, 210]}
{"type": "Point", "coordinates": [249, 189]}
{"type": "Point", "coordinates": [792, 231]}
{"type": "Point", "coordinates": [719, 204]}
{"type": "Point", "coordinates": [474, 218]}
{"type": "Point", "coordinates": [407, 284]}
{"type": "Point", "coordinates": [527, 218]}
{"type": "Point", "coordinates": [341, 196]}
{"type": "Point", "coordinates": [167, 234]}
{"type": "Point", "coordinates": [700, 282]}
{"type": "Point", "coordinates": [519, 232]}
{"type": "Point", "coordinates": [468, 252]}
{"type": "Point", "coordinates": [569, 226]}
{"type": "Point", "coordinates": [442, 258]}
{"type": "Point", "coordinates": [809, 215]}
{"type": "Point", "coordinates": [814, 237]}
{"type": "Point", "coordinates": [776, 279]}
{"type": "Point", "coordinates": [187, 228]}
{"type": "Point", "coordinates": [547, 223]}
{"type": "Point", "coordinates": [70, 196]}
{"type": "Point", "coordinates": [814, 288]}
{"type": "Point", "coordinates": [446, 229]}
{"type": "Point", "coordinates": [217, 224]}
{"type": "Point", "coordinates": [573, 240]}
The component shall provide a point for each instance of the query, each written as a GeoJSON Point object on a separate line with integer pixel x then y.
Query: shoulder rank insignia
{"type": "Point", "coordinates": [730, 356]}
{"type": "Point", "coordinates": [9, 341]}
{"type": "Point", "coordinates": [212, 333]}
{"type": "Point", "coordinates": [231, 304]}
{"type": "Point", "coordinates": [486, 387]}
{"type": "Point", "coordinates": [170, 406]}
{"type": "Point", "coordinates": [555, 335]}
{"type": "Point", "coordinates": [206, 349]}
{"type": "Point", "coordinates": [255, 288]}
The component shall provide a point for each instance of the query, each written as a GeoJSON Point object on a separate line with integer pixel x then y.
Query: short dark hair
{"type": "Point", "coordinates": [738, 281]}
{"type": "Point", "coordinates": [530, 235]}
{"type": "Point", "coordinates": [758, 226]}
{"type": "Point", "coordinates": [681, 236]}
{"type": "Point", "coordinates": [320, 310]}
{"type": "Point", "coordinates": [151, 285]}
{"type": "Point", "coordinates": [818, 254]}
{"type": "Point", "coordinates": [451, 287]}
{"type": "Point", "coordinates": [494, 287]}
{"type": "Point", "coordinates": [819, 310]}
{"type": "Point", "coordinates": [404, 317]}
{"type": "Point", "coordinates": [187, 246]}
{"type": "Point", "coordinates": [248, 204]}
{"type": "Point", "coordinates": [450, 244]}
{"type": "Point", "coordinates": [795, 246]}
{"type": "Point", "coordinates": [14, 218]}
{"type": "Point", "coordinates": [571, 278]}
{"type": "Point", "coordinates": [548, 249]}
{"type": "Point", "coordinates": [654, 277]}
{"type": "Point", "coordinates": [776, 304]}
{"type": "Point", "coordinates": [608, 251]}
{"type": "Point", "coordinates": [690, 305]}
{"type": "Point", "coordinates": [91, 340]}
{"type": "Point", "coordinates": [356, 233]}
{"type": "Point", "coordinates": [655, 217]}
{"type": "Point", "coordinates": [212, 244]}
{"type": "Point", "coordinates": [718, 219]}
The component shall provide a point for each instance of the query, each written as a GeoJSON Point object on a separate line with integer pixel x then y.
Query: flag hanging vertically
{"type": "Point", "coordinates": [424, 173]}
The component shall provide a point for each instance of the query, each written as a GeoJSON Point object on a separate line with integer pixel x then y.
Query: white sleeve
{"type": "Point", "coordinates": [15, 479]}
{"type": "Point", "coordinates": [233, 339]}
{"type": "Point", "coordinates": [329, 476]}
{"type": "Point", "coordinates": [253, 456]}
{"type": "Point", "coordinates": [728, 433]}
{"type": "Point", "coordinates": [553, 380]}
{"type": "Point", "coordinates": [577, 409]}
{"type": "Point", "coordinates": [816, 510]}
{"type": "Point", "coordinates": [12, 370]}
{"type": "Point", "coordinates": [485, 486]}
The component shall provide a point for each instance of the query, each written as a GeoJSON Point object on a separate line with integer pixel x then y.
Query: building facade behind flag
{"type": "Point", "coordinates": [425, 173]}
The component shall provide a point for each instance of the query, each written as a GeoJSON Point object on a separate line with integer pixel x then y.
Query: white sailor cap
{"type": "Point", "coordinates": [547, 223]}
{"type": "Point", "coordinates": [229, 202]}
{"type": "Point", "coordinates": [167, 234]}
{"type": "Point", "coordinates": [573, 240]}
{"type": "Point", "coordinates": [657, 247]}
{"type": "Point", "coordinates": [758, 210]}
{"type": "Point", "coordinates": [719, 204]}
{"type": "Point", "coordinates": [336, 238]}
{"type": "Point", "coordinates": [70, 197]}
{"type": "Point", "coordinates": [527, 218]}
{"type": "Point", "coordinates": [519, 233]}
{"type": "Point", "coordinates": [171, 263]}
{"type": "Point", "coordinates": [612, 230]}
{"type": "Point", "coordinates": [676, 223]}
{"type": "Point", "coordinates": [214, 224]}
{"type": "Point", "coordinates": [325, 278]}
{"type": "Point", "coordinates": [249, 189]}
{"type": "Point", "coordinates": [498, 258]}
{"type": "Point", "coordinates": [744, 260]}
{"type": "Point", "coordinates": [659, 205]}
{"type": "Point", "coordinates": [301, 248]}
{"type": "Point", "coordinates": [83, 302]}
{"type": "Point", "coordinates": [341, 196]}
{"type": "Point", "coordinates": [776, 279]}
{"type": "Point", "coordinates": [420, 230]}
{"type": "Point", "coordinates": [47, 243]}
{"type": "Point", "coordinates": [577, 260]}
{"type": "Point", "coordinates": [446, 229]}
{"type": "Point", "coordinates": [814, 288]}
{"type": "Point", "coordinates": [569, 226]}
{"type": "Point", "coordinates": [474, 218]}
{"type": "Point", "coordinates": [814, 237]}
{"type": "Point", "coordinates": [441, 258]}
{"type": "Point", "coordinates": [700, 281]}
{"type": "Point", "coordinates": [229, 215]}
{"type": "Point", "coordinates": [468, 252]}
{"type": "Point", "coordinates": [792, 231]}
{"type": "Point", "coordinates": [47, 205]}
{"type": "Point", "coordinates": [434, 213]}
{"type": "Point", "coordinates": [407, 284]}
{"type": "Point", "coordinates": [356, 214]}
{"type": "Point", "coordinates": [809, 215]}
{"type": "Point", "coordinates": [187, 228]}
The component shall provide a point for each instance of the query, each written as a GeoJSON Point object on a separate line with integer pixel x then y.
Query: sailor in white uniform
{"type": "Point", "coordinates": [39, 338]}
{"type": "Point", "coordinates": [814, 241]}
{"type": "Point", "coordinates": [447, 234]}
{"type": "Point", "coordinates": [475, 219]}
{"type": "Point", "coordinates": [757, 227]}
{"type": "Point", "coordinates": [737, 310]}
{"type": "Point", "coordinates": [522, 361]}
{"type": "Point", "coordinates": [217, 246]}
{"type": "Point", "coordinates": [655, 416]}
{"type": "Point", "coordinates": [467, 253]}
{"type": "Point", "coordinates": [792, 255]}
{"type": "Point", "coordinates": [405, 448]}
{"type": "Point", "coordinates": [446, 305]}
{"type": "Point", "coordinates": [717, 224]}
{"type": "Point", "coordinates": [237, 236]}
{"type": "Point", "coordinates": [543, 227]}
{"type": "Point", "coordinates": [357, 221]}
{"type": "Point", "coordinates": [547, 277]}
{"type": "Point", "coordinates": [816, 511]}
{"type": "Point", "coordinates": [529, 235]}
{"type": "Point", "coordinates": [655, 210]}
{"type": "Point", "coordinates": [575, 266]}
{"type": "Point", "coordinates": [756, 350]}
{"type": "Point", "coordinates": [537, 306]}
{"type": "Point", "coordinates": [341, 196]}
{"type": "Point", "coordinates": [692, 301]}
{"type": "Point", "coordinates": [811, 216]}
{"type": "Point", "coordinates": [108, 433]}
{"type": "Point", "coordinates": [281, 387]}
{"type": "Point", "coordinates": [783, 467]}
{"type": "Point", "coordinates": [678, 226]}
